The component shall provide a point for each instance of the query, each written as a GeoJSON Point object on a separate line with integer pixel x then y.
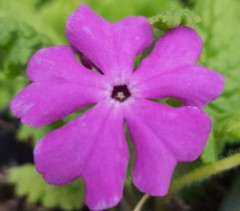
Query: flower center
{"type": "Point", "coordinates": [120, 93]}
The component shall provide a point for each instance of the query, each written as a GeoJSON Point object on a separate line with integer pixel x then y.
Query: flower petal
{"type": "Point", "coordinates": [92, 146]}
{"type": "Point", "coordinates": [61, 86]}
{"type": "Point", "coordinates": [110, 46]}
{"type": "Point", "coordinates": [58, 63]}
{"type": "Point", "coordinates": [41, 103]}
{"type": "Point", "coordinates": [177, 47]}
{"type": "Point", "coordinates": [163, 135]}
{"type": "Point", "coordinates": [192, 85]}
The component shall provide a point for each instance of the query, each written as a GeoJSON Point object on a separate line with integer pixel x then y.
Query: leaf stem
{"type": "Point", "coordinates": [205, 171]}
{"type": "Point", "coordinates": [197, 175]}
{"type": "Point", "coordinates": [141, 203]}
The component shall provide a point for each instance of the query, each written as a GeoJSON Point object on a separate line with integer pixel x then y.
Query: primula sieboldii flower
{"type": "Point", "coordinates": [93, 146]}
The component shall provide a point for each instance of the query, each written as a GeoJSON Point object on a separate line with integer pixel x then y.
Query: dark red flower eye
{"type": "Point", "coordinates": [120, 93]}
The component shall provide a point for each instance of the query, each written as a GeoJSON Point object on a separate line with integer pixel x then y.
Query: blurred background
{"type": "Point", "coordinates": [210, 183]}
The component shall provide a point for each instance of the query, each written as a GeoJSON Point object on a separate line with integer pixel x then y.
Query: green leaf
{"type": "Point", "coordinates": [220, 30]}
{"type": "Point", "coordinates": [27, 12]}
{"type": "Point", "coordinates": [229, 126]}
{"type": "Point", "coordinates": [18, 42]}
{"type": "Point", "coordinates": [174, 17]}
{"type": "Point", "coordinates": [55, 13]}
{"type": "Point", "coordinates": [30, 184]}
{"type": "Point", "coordinates": [9, 88]}
{"type": "Point", "coordinates": [210, 153]}
{"type": "Point", "coordinates": [110, 9]}
{"type": "Point", "coordinates": [19, 39]}
{"type": "Point", "coordinates": [27, 132]}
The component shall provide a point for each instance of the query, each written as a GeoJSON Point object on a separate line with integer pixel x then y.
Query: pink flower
{"type": "Point", "coordinates": [94, 145]}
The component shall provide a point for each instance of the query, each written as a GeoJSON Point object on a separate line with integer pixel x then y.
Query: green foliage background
{"type": "Point", "coordinates": [28, 25]}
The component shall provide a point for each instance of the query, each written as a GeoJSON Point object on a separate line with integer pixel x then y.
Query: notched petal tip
{"type": "Point", "coordinates": [177, 47]}
{"type": "Point", "coordinates": [193, 85]}
{"type": "Point", "coordinates": [103, 167]}
{"type": "Point", "coordinates": [102, 42]}
{"type": "Point", "coordinates": [181, 138]}
{"type": "Point", "coordinates": [141, 30]}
